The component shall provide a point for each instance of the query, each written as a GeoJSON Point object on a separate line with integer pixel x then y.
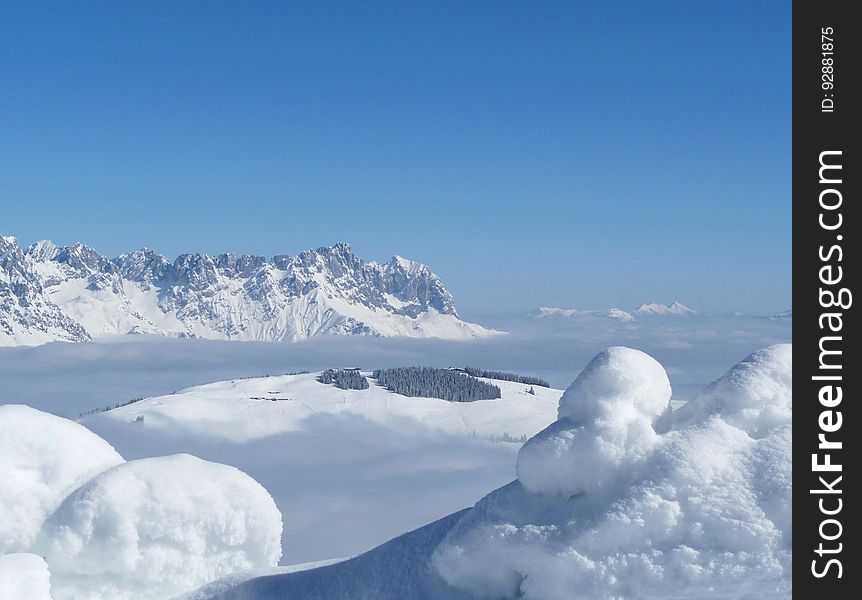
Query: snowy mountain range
{"type": "Point", "coordinates": [619, 314]}
{"type": "Point", "coordinates": [73, 293]}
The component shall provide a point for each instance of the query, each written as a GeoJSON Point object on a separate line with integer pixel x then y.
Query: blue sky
{"type": "Point", "coordinates": [571, 154]}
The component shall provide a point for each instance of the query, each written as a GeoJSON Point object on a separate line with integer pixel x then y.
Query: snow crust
{"type": "Point", "coordinates": [703, 510]}
{"type": "Point", "coordinates": [43, 458]}
{"type": "Point", "coordinates": [24, 577]}
{"type": "Point", "coordinates": [154, 528]}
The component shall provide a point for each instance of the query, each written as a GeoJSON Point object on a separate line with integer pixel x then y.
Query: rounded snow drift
{"type": "Point", "coordinates": [157, 527]}
{"type": "Point", "coordinates": [707, 513]}
{"type": "Point", "coordinates": [616, 381]}
{"type": "Point", "coordinates": [43, 458]}
{"type": "Point", "coordinates": [755, 395]}
{"type": "Point", "coordinates": [605, 428]}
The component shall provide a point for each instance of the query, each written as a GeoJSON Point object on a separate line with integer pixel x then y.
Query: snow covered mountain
{"type": "Point", "coordinates": [618, 314]}
{"type": "Point", "coordinates": [611, 313]}
{"type": "Point", "coordinates": [73, 293]}
{"type": "Point", "coordinates": [676, 308]}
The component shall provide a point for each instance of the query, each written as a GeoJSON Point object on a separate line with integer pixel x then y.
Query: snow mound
{"type": "Point", "coordinates": [157, 527]}
{"type": "Point", "coordinates": [618, 379]}
{"type": "Point", "coordinates": [754, 395]}
{"type": "Point", "coordinates": [24, 576]}
{"type": "Point", "coordinates": [703, 510]}
{"type": "Point", "coordinates": [43, 458]}
{"type": "Point", "coordinates": [605, 427]}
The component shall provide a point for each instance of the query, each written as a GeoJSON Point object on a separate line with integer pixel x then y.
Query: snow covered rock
{"type": "Point", "coordinates": [703, 510]}
{"type": "Point", "coordinates": [157, 527]}
{"type": "Point", "coordinates": [605, 427]}
{"type": "Point", "coordinates": [24, 577]}
{"type": "Point", "coordinates": [27, 315]}
{"type": "Point", "coordinates": [73, 293]}
{"type": "Point", "coordinates": [43, 458]}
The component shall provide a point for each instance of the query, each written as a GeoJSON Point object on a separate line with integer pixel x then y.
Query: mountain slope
{"type": "Point", "coordinates": [73, 293]}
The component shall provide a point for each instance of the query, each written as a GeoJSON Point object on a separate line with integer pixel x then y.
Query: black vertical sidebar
{"type": "Point", "coordinates": [827, 66]}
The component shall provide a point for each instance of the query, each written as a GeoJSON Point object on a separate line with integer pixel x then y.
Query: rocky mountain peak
{"type": "Point", "coordinates": [329, 290]}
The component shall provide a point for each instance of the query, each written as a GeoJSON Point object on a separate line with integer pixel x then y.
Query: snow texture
{"type": "Point", "coordinates": [702, 512]}
{"type": "Point", "coordinates": [605, 421]}
{"type": "Point", "coordinates": [154, 528]}
{"type": "Point", "coordinates": [755, 395]}
{"type": "Point", "coordinates": [43, 458]}
{"type": "Point", "coordinates": [24, 577]}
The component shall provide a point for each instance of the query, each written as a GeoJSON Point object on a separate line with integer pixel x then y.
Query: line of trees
{"type": "Point", "coordinates": [525, 379]}
{"type": "Point", "coordinates": [435, 383]}
{"type": "Point", "coordinates": [96, 411]}
{"type": "Point", "coordinates": [344, 379]}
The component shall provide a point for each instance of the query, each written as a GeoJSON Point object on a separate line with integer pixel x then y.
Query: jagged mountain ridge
{"type": "Point", "coordinates": [73, 293]}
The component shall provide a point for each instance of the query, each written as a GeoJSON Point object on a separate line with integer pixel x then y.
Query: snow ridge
{"type": "Point", "coordinates": [73, 293]}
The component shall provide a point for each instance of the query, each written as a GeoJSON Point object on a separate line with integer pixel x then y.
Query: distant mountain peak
{"type": "Point", "coordinates": [74, 293]}
{"type": "Point", "coordinates": [610, 313]}
{"type": "Point", "coordinates": [676, 308]}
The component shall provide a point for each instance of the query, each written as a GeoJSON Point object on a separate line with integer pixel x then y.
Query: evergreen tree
{"type": "Point", "coordinates": [435, 383]}
{"type": "Point", "coordinates": [344, 379]}
{"type": "Point", "coordinates": [525, 379]}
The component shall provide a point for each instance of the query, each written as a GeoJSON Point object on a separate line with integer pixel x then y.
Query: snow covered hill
{"type": "Point", "coordinates": [619, 498]}
{"type": "Point", "coordinates": [349, 469]}
{"type": "Point", "coordinates": [73, 293]}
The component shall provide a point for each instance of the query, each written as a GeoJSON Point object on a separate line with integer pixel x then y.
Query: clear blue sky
{"type": "Point", "coordinates": [579, 154]}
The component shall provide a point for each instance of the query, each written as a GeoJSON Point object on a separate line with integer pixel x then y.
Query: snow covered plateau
{"type": "Point", "coordinates": [73, 293]}
{"type": "Point", "coordinates": [620, 492]}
